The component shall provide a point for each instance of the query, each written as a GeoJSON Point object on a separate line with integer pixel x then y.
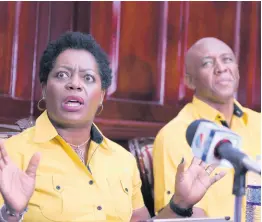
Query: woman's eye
{"type": "Point", "coordinates": [62, 75]}
{"type": "Point", "coordinates": [89, 78]}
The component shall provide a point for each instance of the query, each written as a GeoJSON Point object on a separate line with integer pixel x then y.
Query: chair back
{"type": "Point", "coordinates": [8, 130]}
{"type": "Point", "coordinates": [142, 149]}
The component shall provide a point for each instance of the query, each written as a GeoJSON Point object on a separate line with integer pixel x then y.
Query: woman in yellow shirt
{"type": "Point", "coordinates": [82, 175]}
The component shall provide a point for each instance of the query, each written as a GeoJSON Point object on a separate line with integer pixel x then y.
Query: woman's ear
{"type": "Point", "coordinates": [102, 96]}
{"type": "Point", "coordinates": [43, 86]}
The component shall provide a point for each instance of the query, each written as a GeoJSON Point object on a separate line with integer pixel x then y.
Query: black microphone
{"type": "Point", "coordinates": [217, 145]}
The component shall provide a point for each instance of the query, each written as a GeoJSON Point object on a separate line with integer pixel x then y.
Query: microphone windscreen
{"type": "Point", "coordinates": [191, 130]}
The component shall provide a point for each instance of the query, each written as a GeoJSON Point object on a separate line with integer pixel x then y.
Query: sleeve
{"type": "Point", "coordinates": [137, 198]}
{"type": "Point", "coordinates": [168, 152]}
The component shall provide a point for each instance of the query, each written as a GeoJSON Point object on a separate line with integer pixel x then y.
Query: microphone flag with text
{"type": "Point", "coordinates": [216, 144]}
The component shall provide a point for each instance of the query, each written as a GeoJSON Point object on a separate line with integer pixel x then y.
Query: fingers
{"type": "Point", "coordinates": [210, 169]}
{"type": "Point", "coordinates": [33, 165]}
{"type": "Point", "coordinates": [2, 164]}
{"type": "Point", "coordinates": [196, 161]}
{"type": "Point", "coordinates": [205, 168]}
{"type": "Point", "coordinates": [217, 177]}
{"type": "Point", "coordinates": [181, 167]}
{"type": "Point", "coordinates": [203, 164]}
{"type": "Point", "coordinates": [197, 165]}
{"type": "Point", "coordinates": [3, 153]}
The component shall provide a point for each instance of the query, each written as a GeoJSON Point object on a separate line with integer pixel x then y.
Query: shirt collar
{"type": "Point", "coordinates": [45, 131]}
{"type": "Point", "coordinates": [210, 113]}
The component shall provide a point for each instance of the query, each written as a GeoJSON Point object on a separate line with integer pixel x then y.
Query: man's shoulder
{"type": "Point", "coordinates": [254, 117]}
{"type": "Point", "coordinates": [178, 124]}
{"type": "Point", "coordinates": [252, 113]}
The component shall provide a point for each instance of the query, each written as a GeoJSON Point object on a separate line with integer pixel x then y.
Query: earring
{"type": "Point", "coordinates": [38, 105]}
{"type": "Point", "coordinates": [101, 109]}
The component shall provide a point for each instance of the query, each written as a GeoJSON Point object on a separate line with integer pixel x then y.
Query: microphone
{"type": "Point", "coordinates": [213, 144]}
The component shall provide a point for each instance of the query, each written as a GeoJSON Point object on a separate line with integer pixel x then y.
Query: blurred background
{"type": "Point", "coordinates": [146, 42]}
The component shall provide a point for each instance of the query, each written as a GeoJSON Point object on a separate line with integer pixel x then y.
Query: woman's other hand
{"type": "Point", "coordinates": [17, 186]}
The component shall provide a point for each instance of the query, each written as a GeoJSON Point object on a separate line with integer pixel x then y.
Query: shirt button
{"type": "Point", "coordinates": [91, 182]}
{"type": "Point", "coordinates": [99, 208]}
{"type": "Point", "coordinates": [58, 187]}
{"type": "Point", "coordinates": [168, 192]}
{"type": "Point", "coordinates": [126, 189]}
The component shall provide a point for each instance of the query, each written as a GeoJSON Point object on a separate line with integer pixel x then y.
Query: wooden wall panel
{"type": "Point", "coordinates": [61, 18]}
{"type": "Point", "coordinates": [82, 16]}
{"type": "Point", "coordinates": [55, 18]}
{"type": "Point", "coordinates": [193, 21]}
{"type": "Point", "coordinates": [146, 43]}
{"type": "Point", "coordinates": [7, 20]}
{"type": "Point", "coordinates": [139, 51]}
{"type": "Point", "coordinates": [250, 55]}
{"type": "Point", "coordinates": [26, 28]}
{"type": "Point", "coordinates": [175, 49]}
{"type": "Point", "coordinates": [215, 19]}
{"type": "Point", "coordinates": [135, 47]}
{"type": "Point", "coordinates": [24, 44]}
{"type": "Point", "coordinates": [43, 36]}
{"type": "Point", "coordinates": [159, 92]}
{"type": "Point", "coordinates": [102, 24]}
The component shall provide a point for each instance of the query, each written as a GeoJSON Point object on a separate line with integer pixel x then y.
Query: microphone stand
{"type": "Point", "coordinates": [239, 188]}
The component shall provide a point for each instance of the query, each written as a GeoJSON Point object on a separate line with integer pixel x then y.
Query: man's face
{"type": "Point", "coordinates": [215, 73]}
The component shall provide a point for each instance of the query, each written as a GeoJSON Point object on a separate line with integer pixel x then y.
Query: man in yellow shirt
{"type": "Point", "coordinates": [212, 72]}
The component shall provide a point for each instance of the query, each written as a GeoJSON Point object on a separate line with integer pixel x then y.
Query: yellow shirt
{"type": "Point", "coordinates": [171, 145]}
{"type": "Point", "coordinates": [65, 189]}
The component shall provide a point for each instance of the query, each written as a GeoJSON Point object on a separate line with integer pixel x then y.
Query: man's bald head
{"type": "Point", "coordinates": [202, 44]}
{"type": "Point", "coordinates": [212, 69]}
{"type": "Point", "coordinates": [202, 47]}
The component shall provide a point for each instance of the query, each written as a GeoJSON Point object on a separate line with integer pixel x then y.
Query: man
{"type": "Point", "coordinates": [212, 72]}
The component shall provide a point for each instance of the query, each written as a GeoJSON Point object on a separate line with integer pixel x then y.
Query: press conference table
{"type": "Point", "coordinates": [191, 220]}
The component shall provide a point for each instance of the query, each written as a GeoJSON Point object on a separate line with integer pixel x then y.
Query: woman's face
{"type": "Point", "coordinates": [73, 90]}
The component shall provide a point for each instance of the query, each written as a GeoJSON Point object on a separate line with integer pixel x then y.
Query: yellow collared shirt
{"type": "Point", "coordinates": [65, 189]}
{"type": "Point", "coordinates": [171, 145]}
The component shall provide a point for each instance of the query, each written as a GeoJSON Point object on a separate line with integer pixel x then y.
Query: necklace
{"type": "Point", "coordinates": [78, 146]}
{"type": "Point", "coordinates": [79, 152]}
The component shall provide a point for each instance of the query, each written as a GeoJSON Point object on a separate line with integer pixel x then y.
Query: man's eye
{"type": "Point", "coordinates": [207, 63]}
{"type": "Point", "coordinates": [227, 59]}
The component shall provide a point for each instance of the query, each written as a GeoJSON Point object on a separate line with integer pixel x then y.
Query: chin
{"type": "Point", "coordinates": [70, 118]}
{"type": "Point", "coordinates": [227, 93]}
{"type": "Point", "coordinates": [225, 98]}
{"type": "Point", "coordinates": [78, 117]}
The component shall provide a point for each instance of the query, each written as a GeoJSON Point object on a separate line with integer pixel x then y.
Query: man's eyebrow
{"type": "Point", "coordinates": [207, 57]}
{"type": "Point", "coordinates": [228, 53]}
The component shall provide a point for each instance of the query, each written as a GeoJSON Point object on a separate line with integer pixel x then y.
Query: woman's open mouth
{"type": "Point", "coordinates": [73, 103]}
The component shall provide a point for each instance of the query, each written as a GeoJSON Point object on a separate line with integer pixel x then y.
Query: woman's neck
{"type": "Point", "coordinates": [74, 135]}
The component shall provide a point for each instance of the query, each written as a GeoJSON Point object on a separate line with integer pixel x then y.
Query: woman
{"type": "Point", "coordinates": [82, 175]}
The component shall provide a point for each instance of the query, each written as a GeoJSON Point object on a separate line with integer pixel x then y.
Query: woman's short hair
{"type": "Point", "coordinates": [75, 40]}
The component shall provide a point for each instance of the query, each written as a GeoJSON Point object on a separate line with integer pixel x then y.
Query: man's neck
{"type": "Point", "coordinates": [226, 108]}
